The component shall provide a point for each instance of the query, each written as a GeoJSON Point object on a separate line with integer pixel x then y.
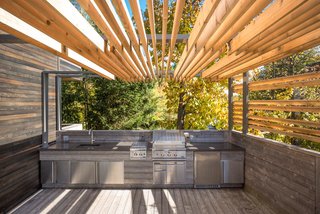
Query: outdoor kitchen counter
{"type": "Point", "coordinates": [212, 146]}
{"type": "Point", "coordinates": [104, 146]}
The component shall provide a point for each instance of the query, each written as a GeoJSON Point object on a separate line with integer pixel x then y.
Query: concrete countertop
{"type": "Point", "coordinates": [125, 146]}
{"type": "Point", "coordinates": [103, 146]}
{"type": "Point", "coordinates": [212, 146]}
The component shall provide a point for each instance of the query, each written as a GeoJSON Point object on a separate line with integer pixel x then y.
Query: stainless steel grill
{"type": "Point", "coordinates": [168, 145]}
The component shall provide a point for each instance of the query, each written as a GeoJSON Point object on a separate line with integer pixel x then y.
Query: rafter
{"type": "Point", "coordinates": [176, 24]}
{"type": "Point", "coordinates": [164, 32]}
{"type": "Point", "coordinates": [22, 30]}
{"type": "Point", "coordinates": [153, 33]}
{"type": "Point", "coordinates": [136, 11]}
{"type": "Point", "coordinates": [123, 13]}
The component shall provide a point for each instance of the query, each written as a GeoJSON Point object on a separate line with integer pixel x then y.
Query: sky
{"type": "Point", "coordinates": [143, 5]}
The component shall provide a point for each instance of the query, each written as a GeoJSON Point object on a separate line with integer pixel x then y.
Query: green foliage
{"type": "Point", "coordinates": [205, 103]}
{"type": "Point", "coordinates": [104, 104]}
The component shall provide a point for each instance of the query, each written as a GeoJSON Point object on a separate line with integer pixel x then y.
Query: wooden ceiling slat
{"type": "Point", "coordinates": [123, 13]}
{"type": "Point", "coordinates": [267, 41]}
{"type": "Point", "coordinates": [47, 19]}
{"type": "Point", "coordinates": [153, 33]}
{"type": "Point", "coordinates": [110, 15]}
{"type": "Point", "coordinates": [205, 14]}
{"type": "Point", "coordinates": [176, 24]}
{"type": "Point", "coordinates": [274, 13]}
{"type": "Point", "coordinates": [164, 33]}
{"type": "Point", "coordinates": [24, 32]}
{"type": "Point", "coordinates": [107, 30]}
{"type": "Point", "coordinates": [236, 20]}
{"type": "Point", "coordinates": [304, 42]}
{"type": "Point", "coordinates": [136, 11]}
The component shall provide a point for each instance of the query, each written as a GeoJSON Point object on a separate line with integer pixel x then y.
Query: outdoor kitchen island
{"type": "Point", "coordinates": [142, 159]}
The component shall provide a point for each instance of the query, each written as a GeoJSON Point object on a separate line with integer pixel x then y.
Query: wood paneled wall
{"type": "Point", "coordinates": [21, 65]}
{"type": "Point", "coordinates": [20, 92]}
{"type": "Point", "coordinates": [286, 177]}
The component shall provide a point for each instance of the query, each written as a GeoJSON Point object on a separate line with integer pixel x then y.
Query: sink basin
{"type": "Point", "coordinates": [88, 145]}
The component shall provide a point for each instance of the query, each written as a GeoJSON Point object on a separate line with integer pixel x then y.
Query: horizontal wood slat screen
{"type": "Point", "coordinates": [301, 80]}
{"type": "Point", "coordinates": [298, 128]}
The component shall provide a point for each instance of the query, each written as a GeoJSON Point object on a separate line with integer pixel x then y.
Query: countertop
{"type": "Point", "coordinates": [125, 146]}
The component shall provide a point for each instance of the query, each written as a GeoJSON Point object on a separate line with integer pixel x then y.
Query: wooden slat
{"type": "Point", "coordinates": [286, 121]}
{"type": "Point", "coordinates": [283, 132]}
{"type": "Point", "coordinates": [24, 30]}
{"type": "Point", "coordinates": [175, 29]}
{"type": "Point", "coordinates": [164, 33]}
{"type": "Point", "coordinates": [286, 108]}
{"type": "Point", "coordinates": [240, 15]}
{"type": "Point", "coordinates": [271, 15]}
{"type": "Point", "coordinates": [304, 42]}
{"type": "Point", "coordinates": [215, 18]}
{"type": "Point", "coordinates": [59, 29]}
{"type": "Point", "coordinates": [136, 11]}
{"type": "Point", "coordinates": [123, 13]}
{"type": "Point", "coordinates": [153, 33]}
{"type": "Point", "coordinates": [104, 17]}
{"type": "Point", "coordinates": [300, 80]}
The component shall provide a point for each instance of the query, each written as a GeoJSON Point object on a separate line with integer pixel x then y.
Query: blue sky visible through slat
{"type": "Point", "coordinates": [143, 5]}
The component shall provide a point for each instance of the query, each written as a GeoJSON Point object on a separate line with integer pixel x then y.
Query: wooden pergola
{"type": "Point", "coordinates": [238, 35]}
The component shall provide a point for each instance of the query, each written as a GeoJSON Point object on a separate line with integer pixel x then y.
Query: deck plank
{"type": "Point", "coordinates": [136, 201]}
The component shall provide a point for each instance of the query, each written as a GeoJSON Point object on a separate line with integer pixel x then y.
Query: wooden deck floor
{"type": "Point", "coordinates": [191, 201]}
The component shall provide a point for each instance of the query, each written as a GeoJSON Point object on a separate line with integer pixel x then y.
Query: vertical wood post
{"type": "Point", "coordinates": [245, 106]}
{"type": "Point", "coordinates": [45, 106]}
{"type": "Point", "coordinates": [230, 104]}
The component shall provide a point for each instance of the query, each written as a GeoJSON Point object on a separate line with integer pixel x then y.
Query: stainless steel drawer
{"type": "Point", "coordinates": [83, 172]}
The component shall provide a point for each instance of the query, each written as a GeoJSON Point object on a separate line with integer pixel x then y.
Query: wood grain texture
{"type": "Point", "coordinates": [143, 201]}
{"type": "Point", "coordinates": [20, 118]}
{"type": "Point", "coordinates": [284, 176]}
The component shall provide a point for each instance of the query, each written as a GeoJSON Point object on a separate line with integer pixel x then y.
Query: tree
{"type": "Point", "coordinates": [197, 104]}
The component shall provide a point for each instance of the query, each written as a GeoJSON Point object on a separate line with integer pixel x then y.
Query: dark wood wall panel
{"type": "Point", "coordinates": [284, 176]}
{"type": "Point", "coordinates": [20, 91]}
{"type": "Point", "coordinates": [19, 174]}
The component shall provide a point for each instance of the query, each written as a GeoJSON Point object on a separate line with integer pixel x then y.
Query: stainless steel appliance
{"type": "Point", "coordinates": [207, 169]}
{"type": "Point", "coordinates": [138, 151]}
{"type": "Point", "coordinates": [232, 167]}
{"type": "Point", "coordinates": [169, 158]}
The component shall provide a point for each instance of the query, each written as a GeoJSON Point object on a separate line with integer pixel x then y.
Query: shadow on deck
{"type": "Point", "coordinates": [142, 201]}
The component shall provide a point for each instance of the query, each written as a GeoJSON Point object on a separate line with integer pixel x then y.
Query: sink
{"type": "Point", "coordinates": [88, 145]}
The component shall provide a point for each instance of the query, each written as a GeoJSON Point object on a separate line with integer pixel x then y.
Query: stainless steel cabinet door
{"type": "Point", "coordinates": [62, 172]}
{"type": "Point", "coordinates": [176, 172]}
{"type": "Point", "coordinates": [232, 171]}
{"type": "Point", "coordinates": [47, 172]}
{"type": "Point", "coordinates": [83, 172]}
{"type": "Point", "coordinates": [207, 168]}
{"type": "Point", "coordinates": [111, 172]}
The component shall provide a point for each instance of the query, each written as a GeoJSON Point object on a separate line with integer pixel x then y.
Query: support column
{"type": "Point", "coordinates": [245, 104]}
{"type": "Point", "coordinates": [230, 104]}
{"type": "Point", "coordinates": [58, 103]}
{"type": "Point", "coordinates": [45, 111]}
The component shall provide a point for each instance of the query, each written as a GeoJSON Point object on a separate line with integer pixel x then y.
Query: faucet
{"type": "Point", "coordinates": [91, 136]}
